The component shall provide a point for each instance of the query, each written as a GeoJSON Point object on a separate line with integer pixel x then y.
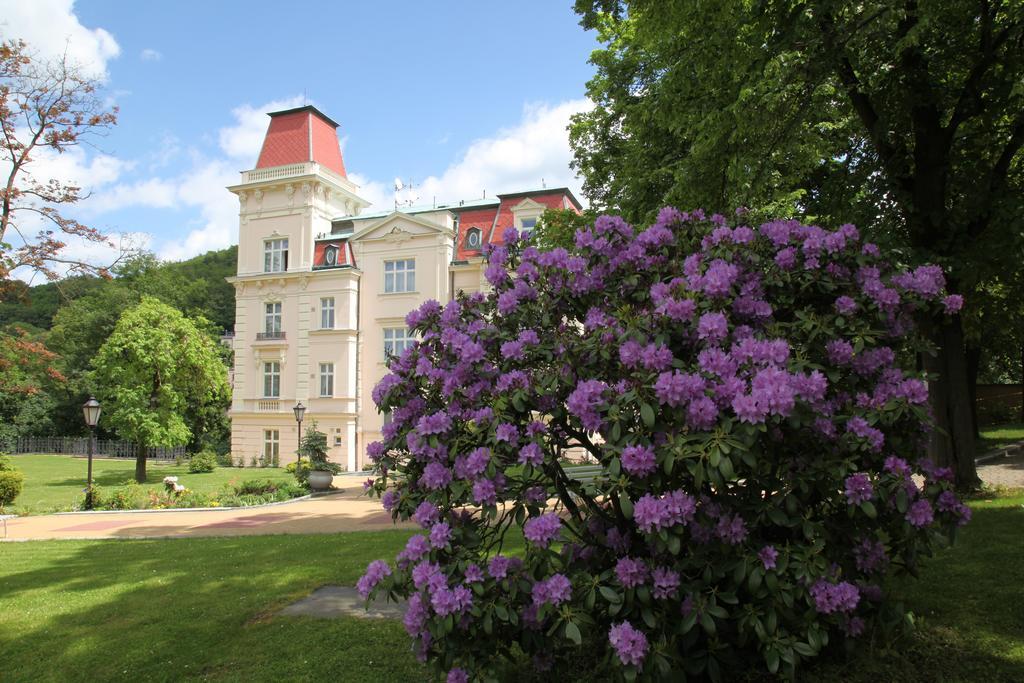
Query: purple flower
{"type": "Point", "coordinates": [506, 432]}
{"type": "Point", "coordinates": [531, 454]}
{"type": "Point", "coordinates": [731, 529]}
{"type": "Point", "coordinates": [870, 555]}
{"type": "Point", "coordinates": [375, 573]}
{"type": "Point", "coordinates": [389, 500]}
{"type": "Point", "coordinates": [438, 423]}
{"type": "Point", "coordinates": [675, 388]}
{"type": "Point", "coordinates": [638, 461]}
{"type": "Point", "coordinates": [845, 305]}
{"type": "Point", "coordinates": [474, 574]}
{"type": "Point", "coordinates": [953, 303]}
{"type": "Point", "coordinates": [457, 675]}
{"type": "Point", "coordinates": [499, 566]}
{"type": "Point", "coordinates": [440, 535]}
{"type": "Point", "coordinates": [540, 531]}
{"type": "Point", "coordinates": [630, 644]}
{"type": "Point", "coordinates": [584, 402]}
{"type": "Point", "coordinates": [415, 548]}
{"type": "Point", "coordinates": [858, 488]}
{"type": "Point", "coordinates": [719, 277]}
{"type": "Point", "coordinates": [768, 555]}
{"type": "Point", "coordinates": [834, 597]}
{"type": "Point", "coordinates": [436, 476]}
{"type": "Point", "coordinates": [666, 582]}
{"type": "Point", "coordinates": [474, 464]}
{"type": "Point", "coordinates": [920, 514]}
{"type": "Point", "coordinates": [673, 508]}
{"type": "Point", "coordinates": [702, 413]}
{"type": "Point", "coordinates": [656, 357]}
{"type": "Point", "coordinates": [554, 590]}
{"type": "Point", "coordinates": [630, 573]}
{"type": "Point", "coordinates": [712, 327]}
{"type": "Point", "coordinates": [426, 514]}
{"type": "Point", "coordinates": [484, 492]}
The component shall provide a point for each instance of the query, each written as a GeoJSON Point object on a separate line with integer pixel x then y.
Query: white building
{"type": "Point", "coordinates": [322, 291]}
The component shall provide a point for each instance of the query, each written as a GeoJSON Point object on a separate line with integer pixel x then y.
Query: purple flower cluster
{"type": "Point", "coordinates": [631, 573]}
{"type": "Point", "coordinates": [652, 513]}
{"type": "Point", "coordinates": [630, 644]}
{"type": "Point", "coordinates": [540, 531]}
{"type": "Point", "coordinates": [554, 590]}
{"type": "Point", "coordinates": [586, 401]}
{"type": "Point", "coordinates": [666, 582]}
{"type": "Point", "coordinates": [375, 573]}
{"type": "Point", "coordinates": [639, 461]}
{"type": "Point", "coordinates": [834, 597]}
{"type": "Point", "coordinates": [768, 556]}
{"type": "Point", "coordinates": [858, 488]}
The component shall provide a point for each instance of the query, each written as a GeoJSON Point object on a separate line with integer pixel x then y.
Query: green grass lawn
{"type": "Point", "coordinates": [55, 482]}
{"type": "Point", "coordinates": [204, 609]}
{"type": "Point", "coordinates": [992, 437]}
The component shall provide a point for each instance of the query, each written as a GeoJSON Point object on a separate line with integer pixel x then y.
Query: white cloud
{"type": "Point", "coordinates": [514, 159]}
{"type": "Point", "coordinates": [150, 55]}
{"type": "Point", "coordinates": [51, 28]}
{"type": "Point", "coordinates": [242, 141]}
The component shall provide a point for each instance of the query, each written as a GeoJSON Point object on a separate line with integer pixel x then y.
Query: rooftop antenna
{"type": "Point", "coordinates": [410, 196]}
{"type": "Point", "coordinates": [543, 185]}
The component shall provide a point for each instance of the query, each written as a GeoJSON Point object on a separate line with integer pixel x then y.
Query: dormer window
{"type": "Point", "coordinates": [473, 238]}
{"type": "Point", "coordinates": [529, 223]}
{"type": "Point", "coordinates": [331, 255]}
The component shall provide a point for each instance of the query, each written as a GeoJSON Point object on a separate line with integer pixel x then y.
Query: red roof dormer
{"type": "Point", "coordinates": [298, 135]}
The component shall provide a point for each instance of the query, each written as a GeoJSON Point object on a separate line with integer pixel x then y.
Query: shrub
{"type": "Point", "coordinates": [11, 483]}
{"type": "Point", "coordinates": [258, 486]}
{"type": "Point", "coordinates": [6, 464]}
{"type": "Point", "coordinates": [740, 389]}
{"type": "Point", "coordinates": [225, 460]}
{"type": "Point", "coordinates": [203, 462]}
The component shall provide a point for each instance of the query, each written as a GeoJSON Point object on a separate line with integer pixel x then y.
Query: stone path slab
{"type": "Point", "coordinates": [331, 602]}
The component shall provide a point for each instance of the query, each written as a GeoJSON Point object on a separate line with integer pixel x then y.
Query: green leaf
{"type": "Point", "coordinates": [572, 632]}
{"type": "Point", "coordinates": [627, 506]}
{"type": "Point", "coordinates": [869, 509]}
{"type": "Point", "coordinates": [610, 594]}
{"type": "Point", "coordinates": [647, 415]}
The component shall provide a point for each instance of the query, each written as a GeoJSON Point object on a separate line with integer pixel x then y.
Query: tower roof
{"type": "Point", "coordinates": [298, 135]}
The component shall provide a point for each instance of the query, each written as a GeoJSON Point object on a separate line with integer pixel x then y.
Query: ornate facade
{"type": "Point", "coordinates": [322, 290]}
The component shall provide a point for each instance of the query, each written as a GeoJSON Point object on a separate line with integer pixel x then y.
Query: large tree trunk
{"type": "Point", "coordinates": [952, 441]}
{"type": "Point", "coordinates": [140, 463]}
{"type": "Point", "coordinates": [973, 365]}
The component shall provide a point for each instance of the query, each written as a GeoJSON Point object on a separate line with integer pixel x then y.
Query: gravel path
{"type": "Point", "coordinates": [1004, 471]}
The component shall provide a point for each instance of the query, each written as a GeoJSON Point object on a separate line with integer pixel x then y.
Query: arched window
{"type": "Point", "coordinates": [473, 237]}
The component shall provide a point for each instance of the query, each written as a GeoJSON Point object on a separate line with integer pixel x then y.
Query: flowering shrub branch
{"type": "Point", "coordinates": [757, 434]}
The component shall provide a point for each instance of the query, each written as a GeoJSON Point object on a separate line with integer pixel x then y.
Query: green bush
{"type": "Point", "coordinates": [11, 482]}
{"type": "Point", "coordinates": [6, 464]}
{"type": "Point", "coordinates": [203, 462]}
{"type": "Point", "coordinates": [258, 486]}
{"type": "Point", "coordinates": [300, 469]}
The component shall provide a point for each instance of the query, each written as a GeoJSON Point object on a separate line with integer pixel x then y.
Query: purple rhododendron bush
{"type": "Point", "coordinates": [761, 453]}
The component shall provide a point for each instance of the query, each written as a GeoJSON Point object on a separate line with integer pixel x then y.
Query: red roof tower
{"type": "Point", "coordinates": [299, 135]}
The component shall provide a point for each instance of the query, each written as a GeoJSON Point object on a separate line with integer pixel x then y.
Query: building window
{"type": "Point", "coordinates": [272, 380]}
{"type": "Point", "coordinates": [275, 256]}
{"type": "Point", "coordinates": [331, 255]}
{"type": "Point", "coordinates": [327, 380]}
{"type": "Point", "coordinates": [396, 341]}
{"type": "Point", "coordinates": [400, 276]}
{"type": "Point", "coordinates": [271, 444]}
{"type": "Point", "coordinates": [272, 319]}
{"type": "Point", "coordinates": [327, 313]}
{"type": "Point", "coordinates": [473, 238]}
{"type": "Point", "coordinates": [529, 223]}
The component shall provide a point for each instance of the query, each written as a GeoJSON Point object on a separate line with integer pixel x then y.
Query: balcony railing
{"type": "Point", "coordinates": [258, 175]}
{"type": "Point", "coordinates": [268, 406]}
{"type": "Point", "coordinates": [270, 336]}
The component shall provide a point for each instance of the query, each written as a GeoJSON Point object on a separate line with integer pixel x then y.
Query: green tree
{"type": "Point", "coordinates": [905, 118]}
{"type": "Point", "coordinates": [155, 367]}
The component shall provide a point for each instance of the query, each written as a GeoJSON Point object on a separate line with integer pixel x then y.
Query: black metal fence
{"type": "Point", "coordinates": [79, 445]}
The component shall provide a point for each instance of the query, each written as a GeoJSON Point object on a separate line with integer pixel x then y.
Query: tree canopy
{"type": "Point", "coordinates": [155, 369]}
{"type": "Point", "coordinates": [906, 119]}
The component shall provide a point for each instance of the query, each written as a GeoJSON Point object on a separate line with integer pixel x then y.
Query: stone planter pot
{"type": "Point", "coordinates": [320, 480]}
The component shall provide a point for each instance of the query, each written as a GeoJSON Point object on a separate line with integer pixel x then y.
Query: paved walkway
{"type": "Point", "coordinates": [346, 509]}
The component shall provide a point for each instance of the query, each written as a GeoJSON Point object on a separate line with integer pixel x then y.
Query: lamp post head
{"type": "Point", "coordinates": [91, 411]}
{"type": "Point", "coordinates": [300, 410]}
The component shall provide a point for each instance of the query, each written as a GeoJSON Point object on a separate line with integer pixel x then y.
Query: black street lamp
{"type": "Point", "coordinates": [91, 412]}
{"type": "Point", "coordinates": [299, 410]}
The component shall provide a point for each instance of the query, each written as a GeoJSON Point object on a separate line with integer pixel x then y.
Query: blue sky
{"type": "Point", "coordinates": [459, 97]}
